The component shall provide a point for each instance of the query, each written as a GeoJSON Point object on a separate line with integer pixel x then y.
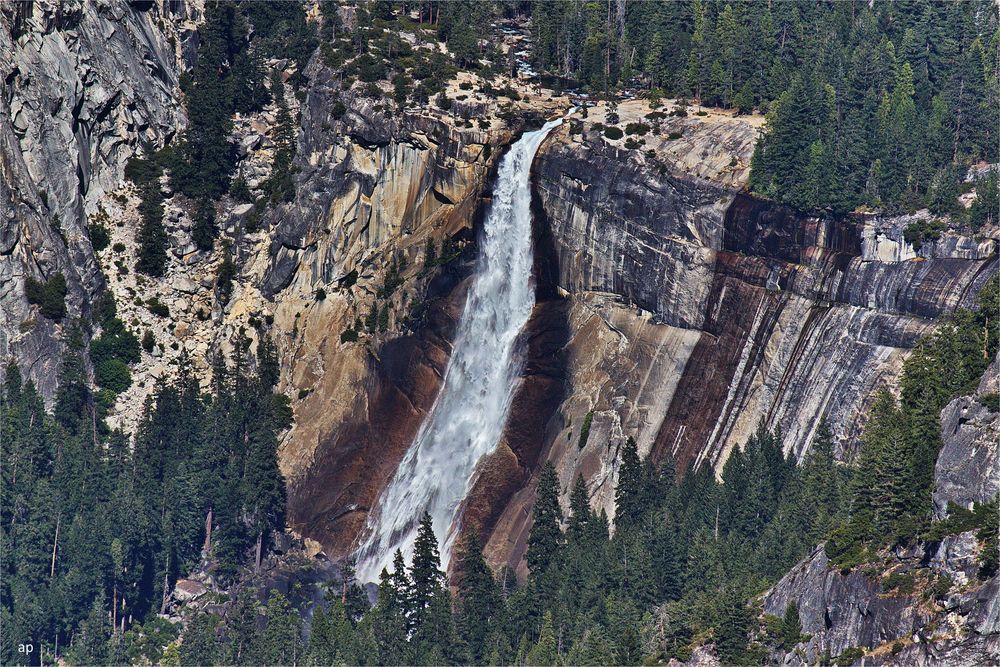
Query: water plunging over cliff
{"type": "Point", "coordinates": [469, 414]}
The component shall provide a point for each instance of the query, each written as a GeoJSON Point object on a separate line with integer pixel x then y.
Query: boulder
{"type": "Point", "coordinates": [183, 284]}
{"type": "Point", "coordinates": [188, 589]}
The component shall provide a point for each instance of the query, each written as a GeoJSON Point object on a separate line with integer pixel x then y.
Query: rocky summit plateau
{"type": "Point", "coordinates": [380, 332]}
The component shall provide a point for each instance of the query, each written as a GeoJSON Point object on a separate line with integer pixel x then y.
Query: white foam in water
{"type": "Point", "coordinates": [468, 416]}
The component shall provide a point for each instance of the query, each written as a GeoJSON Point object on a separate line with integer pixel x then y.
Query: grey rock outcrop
{"type": "Point", "coordinates": [87, 85]}
{"type": "Point", "coordinates": [842, 611]}
{"type": "Point", "coordinates": [957, 625]}
{"type": "Point", "coordinates": [968, 467]}
{"type": "Point", "coordinates": [957, 557]}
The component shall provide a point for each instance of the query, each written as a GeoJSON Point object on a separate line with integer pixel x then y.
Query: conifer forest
{"type": "Point", "coordinates": [514, 333]}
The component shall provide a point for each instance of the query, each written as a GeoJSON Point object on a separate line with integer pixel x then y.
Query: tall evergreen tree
{"type": "Point", "coordinates": [478, 601]}
{"type": "Point", "coordinates": [629, 500]}
{"type": "Point", "coordinates": [546, 534]}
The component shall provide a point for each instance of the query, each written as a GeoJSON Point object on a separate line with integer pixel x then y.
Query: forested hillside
{"type": "Point", "coordinates": [96, 529]}
{"type": "Point", "coordinates": [882, 108]}
{"type": "Point", "coordinates": [870, 104]}
{"type": "Point", "coordinates": [92, 527]}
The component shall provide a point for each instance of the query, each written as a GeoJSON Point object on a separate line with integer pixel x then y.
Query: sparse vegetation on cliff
{"type": "Point", "coordinates": [49, 295]}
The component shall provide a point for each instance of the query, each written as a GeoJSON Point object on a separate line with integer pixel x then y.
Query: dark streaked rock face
{"type": "Point", "coordinates": [792, 317]}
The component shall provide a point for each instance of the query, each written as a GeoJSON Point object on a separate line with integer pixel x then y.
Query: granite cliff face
{"type": "Point", "coordinates": [947, 615]}
{"type": "Point", "coordinates": [85, 86]}
{"type": "Point", "coordinates": [695, 312]}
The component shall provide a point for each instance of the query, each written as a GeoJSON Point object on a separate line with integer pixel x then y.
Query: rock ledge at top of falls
{"type": "Point", "coordinates": [372, 176]}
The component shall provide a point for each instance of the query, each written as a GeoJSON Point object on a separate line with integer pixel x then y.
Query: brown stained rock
{"type": "Point", "coordinates": [742, 312]}
{"type": "Point", "coordinates": [533, 423]}
{"type": "Point", "coordinates": [498, 477]}
{"type": "Point", "coordinates": [330, 499]}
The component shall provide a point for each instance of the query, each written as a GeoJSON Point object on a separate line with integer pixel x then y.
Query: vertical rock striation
{"type": "Point", "coordinates": [85, 87]}
{"type": "Point", "coordinates": [696, 312]}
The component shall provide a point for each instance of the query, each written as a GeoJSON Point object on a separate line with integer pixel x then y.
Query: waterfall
{"type": "Point", "coordinates": [471, 408]}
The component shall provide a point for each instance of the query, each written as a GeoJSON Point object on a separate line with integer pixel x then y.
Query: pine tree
{"type": "Point", "coordinates": [389, 620]}
{"type": "Point", "coordinates": [425, 572]}
{"type": "Point", "coordinates": [819, 499]}
{"type": "Point", "coordinates": [655, 61]}
{"type": "Point", "coordinates": [698, 64]}
{"type": "Point", "coordinates": [545, 536]}
{"type": "Point", "coordinates": [322, 640]}
{"type": "Point", "coordinates": [200, 646]}
{"type": "Point", "coordinates": [263, 488]}
{"type": "Point", "coordinates": [732, 627]}
{"type": "Point", "coordinates": [581, 514]}
{"type": "Point", "coordinates": [985, 209]}
{"type": "Point", "coordinates": [791, 627]}
{"type": "Point", "coordinates": [279, 643]}
{"type": "Point", "coordinates": [624, 621]}
{"type": "Point", "coordinates": [629, 500]}
{"type": "Point", "coordinates": [544, 652]}
{"type": "Point", "coordinates": [203, 233]}
{"type": "Point", "coordinates": [241, 628]}
{"type": "Point", "coordinates": [478, 600]}
{"type": "Point", "coordinates": [280, 185]}
{"type": "Point", "coordinates": [728, 38]}
{"type": "Point", "coordinates": [593, 648]}
{"type": "Point", "coordinates": [151, 236]}
{"type": "Point", "coordinates": [665, 553]}
{"type": "Point", "coordinates": [90, 644]}
{"type": "Point", "coordinates": [433, 632]}
{"type": "Point", "coordinates": [352, 596]}
{"type": "Point", "coordinates": [72, 394]}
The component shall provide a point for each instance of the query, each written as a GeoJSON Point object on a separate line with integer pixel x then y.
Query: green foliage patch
{"type": "Point", "coordinates": [50, 295]}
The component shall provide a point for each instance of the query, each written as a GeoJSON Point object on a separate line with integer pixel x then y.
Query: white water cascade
{"type": "Point", "coordinates": [468, 416]}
